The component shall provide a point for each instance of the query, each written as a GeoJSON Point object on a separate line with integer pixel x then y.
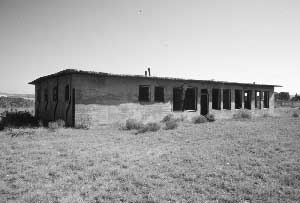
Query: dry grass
{"type": "Point", "coordinates": [255, 160]}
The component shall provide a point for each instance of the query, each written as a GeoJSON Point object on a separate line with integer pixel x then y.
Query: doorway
{"type": "Point", "coordinates": [204, 102]}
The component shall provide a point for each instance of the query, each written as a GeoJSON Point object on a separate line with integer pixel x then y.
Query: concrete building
{"type": "Point", "coordinates": [96, 98]}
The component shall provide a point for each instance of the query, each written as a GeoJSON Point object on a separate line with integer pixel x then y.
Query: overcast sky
{"type": "Point", "coordinates": [239, 41]}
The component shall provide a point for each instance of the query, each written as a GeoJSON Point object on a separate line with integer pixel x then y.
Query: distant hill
{"type": "Point", "coordinates": [8, 101]}
{"type": "Point", "coordinates": [15, 102]}
{"type": "Point", "coordinates": [24, 96]}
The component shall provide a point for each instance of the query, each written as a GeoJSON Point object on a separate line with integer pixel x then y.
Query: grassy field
{"type": "Point", "coordinates": [225, 161]}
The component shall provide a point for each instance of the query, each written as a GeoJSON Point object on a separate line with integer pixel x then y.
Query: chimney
{"type": "Point", "coordinates": [145, 73]}
{"type": "Point", "coordinates": [149, 73]}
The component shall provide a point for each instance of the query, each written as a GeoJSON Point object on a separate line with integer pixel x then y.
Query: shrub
{"type": "Point", "coordinates": [171, 124]}
{"type": "Point", "coordinates": [265, 115]}
{"type": "Point", "coordinates": [210, 117]}
{"type": "Point", "coordinates": [1, 124]}
{"type": "Point", "coordinates": [56, 124]}
{"type": "Point", "coordinates": [168, 118]}
{"type": "Point", "coordinates": [132, 124]}
{"type": "Point", "coordinates": [199, 119]}
{"type": "Point", "coordinates": [153, 127]}
{"type": "Point", "coordinates": [295, 115]}
{"type": "Point", "coordinates": [242, 114]}
{"type": "Point", "coordinates": [82, 126]}
{"type": "Point", "coordinates": [18, 119]}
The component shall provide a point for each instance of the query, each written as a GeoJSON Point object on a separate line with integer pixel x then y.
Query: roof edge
{"type": "Point", "coordinates": [75, 71]}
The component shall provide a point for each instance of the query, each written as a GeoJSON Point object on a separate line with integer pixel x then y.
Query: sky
{"type": "Point", "coordinates": [233, 40]}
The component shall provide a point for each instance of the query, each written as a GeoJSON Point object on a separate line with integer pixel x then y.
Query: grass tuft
{"type": "Point", "coordinates": [53, 125]}
{"type": "Point", "coordinates": [168, 118]}
{"type": "Point", "coordinates": [242, 115]}
{"type": "Point", "coordinates": [152, 127]}
{"type": "Point", "coordinates": [171, 124]}
{"type": "Point", "coordinates": [210, 117]}
{"type": "Point", "coordinates": [199, 119]}
{"type": "Point", "coordinates": [133, 124]}
{"type": "Point", "coordinates": [295, 115]}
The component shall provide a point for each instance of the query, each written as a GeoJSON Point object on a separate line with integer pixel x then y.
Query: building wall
{"type": "Point", "coordinates": [51, 110]}
{"type": "Point", "coordinates": [105, 100]}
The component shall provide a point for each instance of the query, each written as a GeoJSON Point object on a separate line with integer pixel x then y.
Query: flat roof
{"type": "Point", "coordinates": [74, 71]}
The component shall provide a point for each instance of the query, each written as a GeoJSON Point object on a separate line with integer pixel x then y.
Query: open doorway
{"type": "Point", "coordinates": [190, 99]}
{"type": "Point", "coordinates": [238, 99]}
{"type": "Point", "coordinates": [247, 99]}
{"type": "Point", "coordinates": [177, 99]}
{"type": "Point", "coordinates": [204, 102]}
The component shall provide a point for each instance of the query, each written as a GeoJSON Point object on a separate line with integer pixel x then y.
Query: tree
{"type": "Point", "coordinates": [284, 96]}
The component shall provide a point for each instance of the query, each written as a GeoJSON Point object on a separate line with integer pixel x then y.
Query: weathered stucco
{"type": "Point", "coordinates": [101, 99]}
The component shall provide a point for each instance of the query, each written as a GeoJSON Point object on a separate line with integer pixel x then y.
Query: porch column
{"type": "Point", "coordinates": [243, 99]}
{"type": "Point", "coordinates": [210, 98]}
{"type": "Point", "coordinates": [232, 91]}
{"type": "Point", "coordinates": [221, 98]}
{"type": "Point", "coordinates": [253, 99]}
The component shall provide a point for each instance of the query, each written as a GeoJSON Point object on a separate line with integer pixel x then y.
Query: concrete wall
{"type": "Point", "coordinates": [104, 100]}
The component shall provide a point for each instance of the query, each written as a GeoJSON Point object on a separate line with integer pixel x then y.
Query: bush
{"type": "Point", "coordinates": [295, 115]}
{"type": "Point", "coordinates": [1, 124]}
{"type": "Point", "coordinates": [153, 127]}
{"type": "Point", "coordinates": [210, 117]}
{"type": "Point", "coordinates": [56, 124]}
{"type": "Point", "coordinates": [171, 124]}
{"type": "Point", "coordinates": [168, 118]}
{"type": "Point", "coordinates": [243, 115]}
{"type": "Point", "coordinates": [199, 119]}
{"type": "Point", "coordinates": [132, 124]}
{"type": "Point", "coordinates": [18, 119]}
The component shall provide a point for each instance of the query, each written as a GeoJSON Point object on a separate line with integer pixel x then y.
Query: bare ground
{"type": "Point", "coordinates": [225, 161]}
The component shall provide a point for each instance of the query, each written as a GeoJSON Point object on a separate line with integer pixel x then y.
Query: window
{"type": "Point", "coordinates": [247, 99]}
{"type": "Point", "coordinates": [216, 99]}
{"type": "Point", "coordinates": [257, 99]}
{"type": "Point", "coordinates": [190, 99]}
{"type": "Point", "coordinates": [184, 99]}
{"type": "Point", "coordinates": [238, 99]}
{"type": "Point", "coordinates": [177, 99]}
{"type": "Point", "coordinates": [67, 93]}
{"type": "Point", "coordinates": [227, 99]}
{"type": "Point", "coordinates": [55, 93]}
{"type": "Point", "coordinates": [144, 93]}
{"type": "Point", "coordinates": [159, 94]}
{"type": "Point", "coordinates": [266, 99]}
{"type": "Point", "coordinates": [46, 95]}
{"type": "Point", "coordinates": [38, 95]}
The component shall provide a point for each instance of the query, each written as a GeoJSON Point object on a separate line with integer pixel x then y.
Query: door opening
{"type": "Point", "coordinates": [204, 102]}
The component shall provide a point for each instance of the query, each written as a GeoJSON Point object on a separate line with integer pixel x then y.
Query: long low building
{"type": "Point", "coordinates": [96, 98]}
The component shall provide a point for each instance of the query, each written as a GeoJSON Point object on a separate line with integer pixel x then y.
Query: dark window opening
{"type": "Point", "coordinates": [247, 99]}
{"type": "Point", "coordinates": [204, 102]}
{"type": "Point", "coordinates": [238, 99]}
{"type": "Point", "coordinates": [46, 95]}
{"type": "Point", "coordinates": [177, 99]}
{"type": "Point", "coordinates": [190, 99]}
{"type": "Point", "coordinates": [216, 99]}
{"type": "Point", "coordinates": [144, 93]}
{"type": "Point", "coordinates": [184, 99]}
{"type": "Point", "coordinates": [258, 99]}
{"type": "Point", "coordinates": [159, 94]}
{"type": "Point", "coordinates": [38, 95]}
{"type": "Point", "coordinates": [55, 94]}
{"type": "Point", "coordinates": [227, 99]}
{"type": "Point", "coordinates": [266, 99]}
{"type": "Point", "coordinates": [67, 93]}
